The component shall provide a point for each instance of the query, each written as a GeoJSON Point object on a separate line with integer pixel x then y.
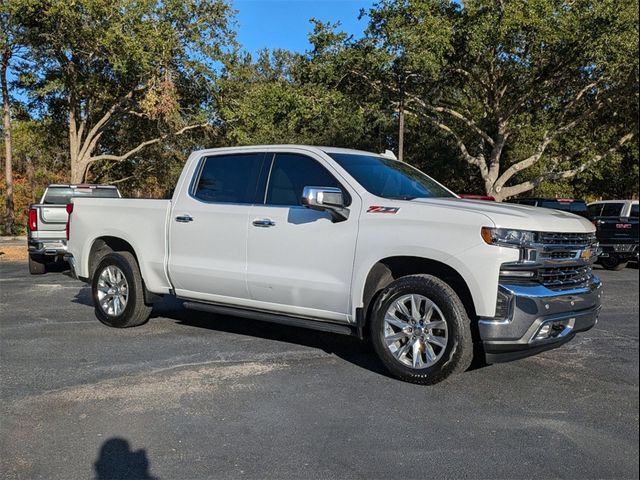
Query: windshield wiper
{"type": "Point", "coordinates": [404, 197]}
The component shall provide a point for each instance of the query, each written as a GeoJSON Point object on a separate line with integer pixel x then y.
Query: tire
{"type": "Point", "coordinates": [613, 263]}
{"type": "Point", "coordinates": [37, 266]}
{"type": "Point", "coordinates": [109, 309]}
{"type": "Point", "coordinates": [456, 354]}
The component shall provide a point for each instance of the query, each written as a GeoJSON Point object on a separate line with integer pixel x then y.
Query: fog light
{"type": "Point", "coordinates": [555, 329]}
{"type": "Point", "coordinates": [544, 332]}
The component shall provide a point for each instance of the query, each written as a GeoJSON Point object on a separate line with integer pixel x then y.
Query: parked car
{"type": "Point", "coordinates": [348, 242]}
{"type": "Point", "coordinates": [472, 196]}
{"type": "Point", "coordinates": [579, 207]}
{"type": "Point", "coordinates": [47, 238]}
{"type": "Point", "coordinates": [617, 230]}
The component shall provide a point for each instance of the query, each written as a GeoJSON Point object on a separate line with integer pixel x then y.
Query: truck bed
{"type": "Point", "coordinates": [140, 222]}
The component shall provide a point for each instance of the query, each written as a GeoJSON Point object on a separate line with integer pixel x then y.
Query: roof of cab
{"type": "Point", "coordinates": [316, 148]}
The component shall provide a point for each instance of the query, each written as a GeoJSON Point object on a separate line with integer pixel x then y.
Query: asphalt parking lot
{"type": "Point", "coordinates": [192, 395]}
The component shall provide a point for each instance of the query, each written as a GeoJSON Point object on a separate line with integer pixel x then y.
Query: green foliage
{"type": "Point", "coordinates": [509, 73]}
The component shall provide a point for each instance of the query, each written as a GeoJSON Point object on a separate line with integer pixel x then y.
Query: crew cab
{"type": "Point", "coordinates": [47, 222]}
{"type": "Point", "coordinates": [349, 242]}
{"type": "Point", "coordinates": [617, 230]}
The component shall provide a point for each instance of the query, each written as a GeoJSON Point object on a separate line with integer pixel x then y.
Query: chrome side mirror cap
{"type": "Point", "coordinates": [328, 199]}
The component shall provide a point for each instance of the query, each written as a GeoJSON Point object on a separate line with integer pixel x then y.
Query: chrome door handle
{"type": "Point", "coordinates": [264, 223]}
{"type": "Point", "coordinates": [184, 218]}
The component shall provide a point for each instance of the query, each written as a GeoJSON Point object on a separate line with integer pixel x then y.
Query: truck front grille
{"type": "Point", "coordinates": [559, 261]}
{"type": "Point", "coordinates": [573, 240]}
{"type": "Point", "coordinates": [565, 278]}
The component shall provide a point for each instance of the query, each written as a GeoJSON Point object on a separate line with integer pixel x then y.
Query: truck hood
{"type": "Point", "coordinates": [521, 217]}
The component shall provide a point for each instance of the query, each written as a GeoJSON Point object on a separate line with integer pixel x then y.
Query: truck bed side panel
{"type": "Point", "coordinates": [141, 223]}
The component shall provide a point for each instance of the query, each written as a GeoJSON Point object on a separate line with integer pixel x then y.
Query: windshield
{"type": "Point", "coordinates": [389, 178]}
{"type": "Point", "coordinates": [63, 195]}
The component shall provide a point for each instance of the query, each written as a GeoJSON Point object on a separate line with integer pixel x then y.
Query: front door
{"type": "Point", "coordinates": [208, 229]}
{"type": "Point", "coordinates": [299, 261]}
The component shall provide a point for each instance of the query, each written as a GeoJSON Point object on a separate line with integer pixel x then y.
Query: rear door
{"type": "Point", "coordinates": [299, 261]}
{"type": "Point", "coordinates": [208, 228]}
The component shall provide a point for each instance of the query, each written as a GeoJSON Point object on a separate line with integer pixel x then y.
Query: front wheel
{"type": "Point", "coordinates": [613, 263]}
{"type": "Point", "coordinates": [118, 291]}
{"type": "Point", "coordinates": [420, 330]}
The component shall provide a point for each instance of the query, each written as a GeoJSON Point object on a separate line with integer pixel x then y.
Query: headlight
{"type": "Point", "coordinates": [505, 237]}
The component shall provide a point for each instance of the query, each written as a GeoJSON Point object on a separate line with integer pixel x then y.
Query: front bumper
{"type": "Point", "coordinates": [534, 310]}
{"type": "Point", "coordinates": [48, 247]}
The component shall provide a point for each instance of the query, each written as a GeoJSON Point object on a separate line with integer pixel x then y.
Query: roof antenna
{"type": "Point", "coordinates": [389, 154]}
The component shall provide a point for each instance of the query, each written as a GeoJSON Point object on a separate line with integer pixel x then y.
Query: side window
{"type": "Point", "coordinates": [595, 209]}
{"type": "Point", "coordinates": [229, 178]}
{"type": "Point", "coordinates": [612, 209]}
{"type": "Point", "coordinates": [292, 172]}
{"type": "Point", "coordinates": [634, 211]}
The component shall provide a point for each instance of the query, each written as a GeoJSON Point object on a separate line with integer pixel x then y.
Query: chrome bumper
{"type": "Point", "coordinates": [49, 247]}
{"type": "Point", "coordinates": [534, 310]}
{"type": "Point", "coordinates": [622, 250]}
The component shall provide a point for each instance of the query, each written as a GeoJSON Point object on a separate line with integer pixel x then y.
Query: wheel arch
{"type": "Point", "coordinates": [389, 269]}
{"type": "Point", "coordinates": [106, 244]}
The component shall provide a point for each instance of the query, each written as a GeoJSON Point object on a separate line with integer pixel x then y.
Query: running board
{"type": "Point", "coordinates": [271, 317]}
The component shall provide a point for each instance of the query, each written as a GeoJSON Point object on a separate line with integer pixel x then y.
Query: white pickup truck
{"type": "Point", "coordinates": [47, 221]}
{"type": "Point", "coordinates": [349, 242]}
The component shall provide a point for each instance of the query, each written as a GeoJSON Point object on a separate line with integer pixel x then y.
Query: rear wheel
{"type": "Point", "coordinates": [118, 291]}
{"type": "Point", "coordinates": [37, 265]}
{"type": "Point", "coordinates": [420, 330]}
{"type": "Point", "coordinates": [613, 263]}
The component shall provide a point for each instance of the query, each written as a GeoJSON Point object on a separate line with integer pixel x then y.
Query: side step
{"type": "Point", "coordinates": [271, 317]}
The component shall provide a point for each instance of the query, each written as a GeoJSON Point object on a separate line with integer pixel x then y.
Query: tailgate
{"type": "Point", "coordinates": [617, 230]}
{"type": "Point", "coordinates": [51, 217]}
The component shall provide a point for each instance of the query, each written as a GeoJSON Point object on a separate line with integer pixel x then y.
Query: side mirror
{"type": "Point", "coordinates": [328, 199]}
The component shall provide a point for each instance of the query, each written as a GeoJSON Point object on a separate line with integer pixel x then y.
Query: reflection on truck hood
{"type": "Point", "coordinates": [523, 217]}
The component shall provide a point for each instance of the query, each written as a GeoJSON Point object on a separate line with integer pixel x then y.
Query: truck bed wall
{"type": "Point", "coordinates": [141, 223]}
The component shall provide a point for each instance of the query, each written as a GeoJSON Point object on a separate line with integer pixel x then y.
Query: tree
{"type": "Point", "coordinates": [268, 102]}
{"type": "Point", "coordinates": [514, 85]}
{"type": "Point", "coordinates": [124, 75]}
{"type": "Point", "coordinates": [9, 45]}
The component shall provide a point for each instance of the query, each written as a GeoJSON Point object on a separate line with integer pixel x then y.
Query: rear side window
{"type": "Point", "coordinates": [612, 209]}
{"type": "Point", "coordinates": [292, 172]}
{"type": "Point", "coordinates": [229, 178]}
{"type": "Point", "coordinates": [594, 210]}
{"type": "Point", "coordinates": [634, 211]}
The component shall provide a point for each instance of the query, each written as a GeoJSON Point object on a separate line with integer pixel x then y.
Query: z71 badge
{"type": "Point", "coordinates": [379, 209]}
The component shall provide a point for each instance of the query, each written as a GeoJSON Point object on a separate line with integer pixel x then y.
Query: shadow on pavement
{"type": "Point", "coordinates": [116, 461]}
{"type": "Point", "coordinates": [351, 349]}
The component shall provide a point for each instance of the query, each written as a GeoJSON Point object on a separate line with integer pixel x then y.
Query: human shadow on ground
{"type": "Point", "coordinates": [116, 461]}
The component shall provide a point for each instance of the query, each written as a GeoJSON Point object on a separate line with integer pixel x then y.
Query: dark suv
{"type": "Point", "coordinates": [579, 207]}
{"type": "Point", "coordinates": [617, 224]}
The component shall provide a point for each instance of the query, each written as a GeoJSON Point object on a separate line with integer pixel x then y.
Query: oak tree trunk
{"type": "Point", "coordinates": [9, 221]}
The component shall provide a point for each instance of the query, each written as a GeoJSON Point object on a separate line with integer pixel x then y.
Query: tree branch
{"type": "Point", "coordinates": [477, 161]}
{"type": "Point", "coordinates": [551, 176]}
{"type": "Point", "coordinates": [140, 146]}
